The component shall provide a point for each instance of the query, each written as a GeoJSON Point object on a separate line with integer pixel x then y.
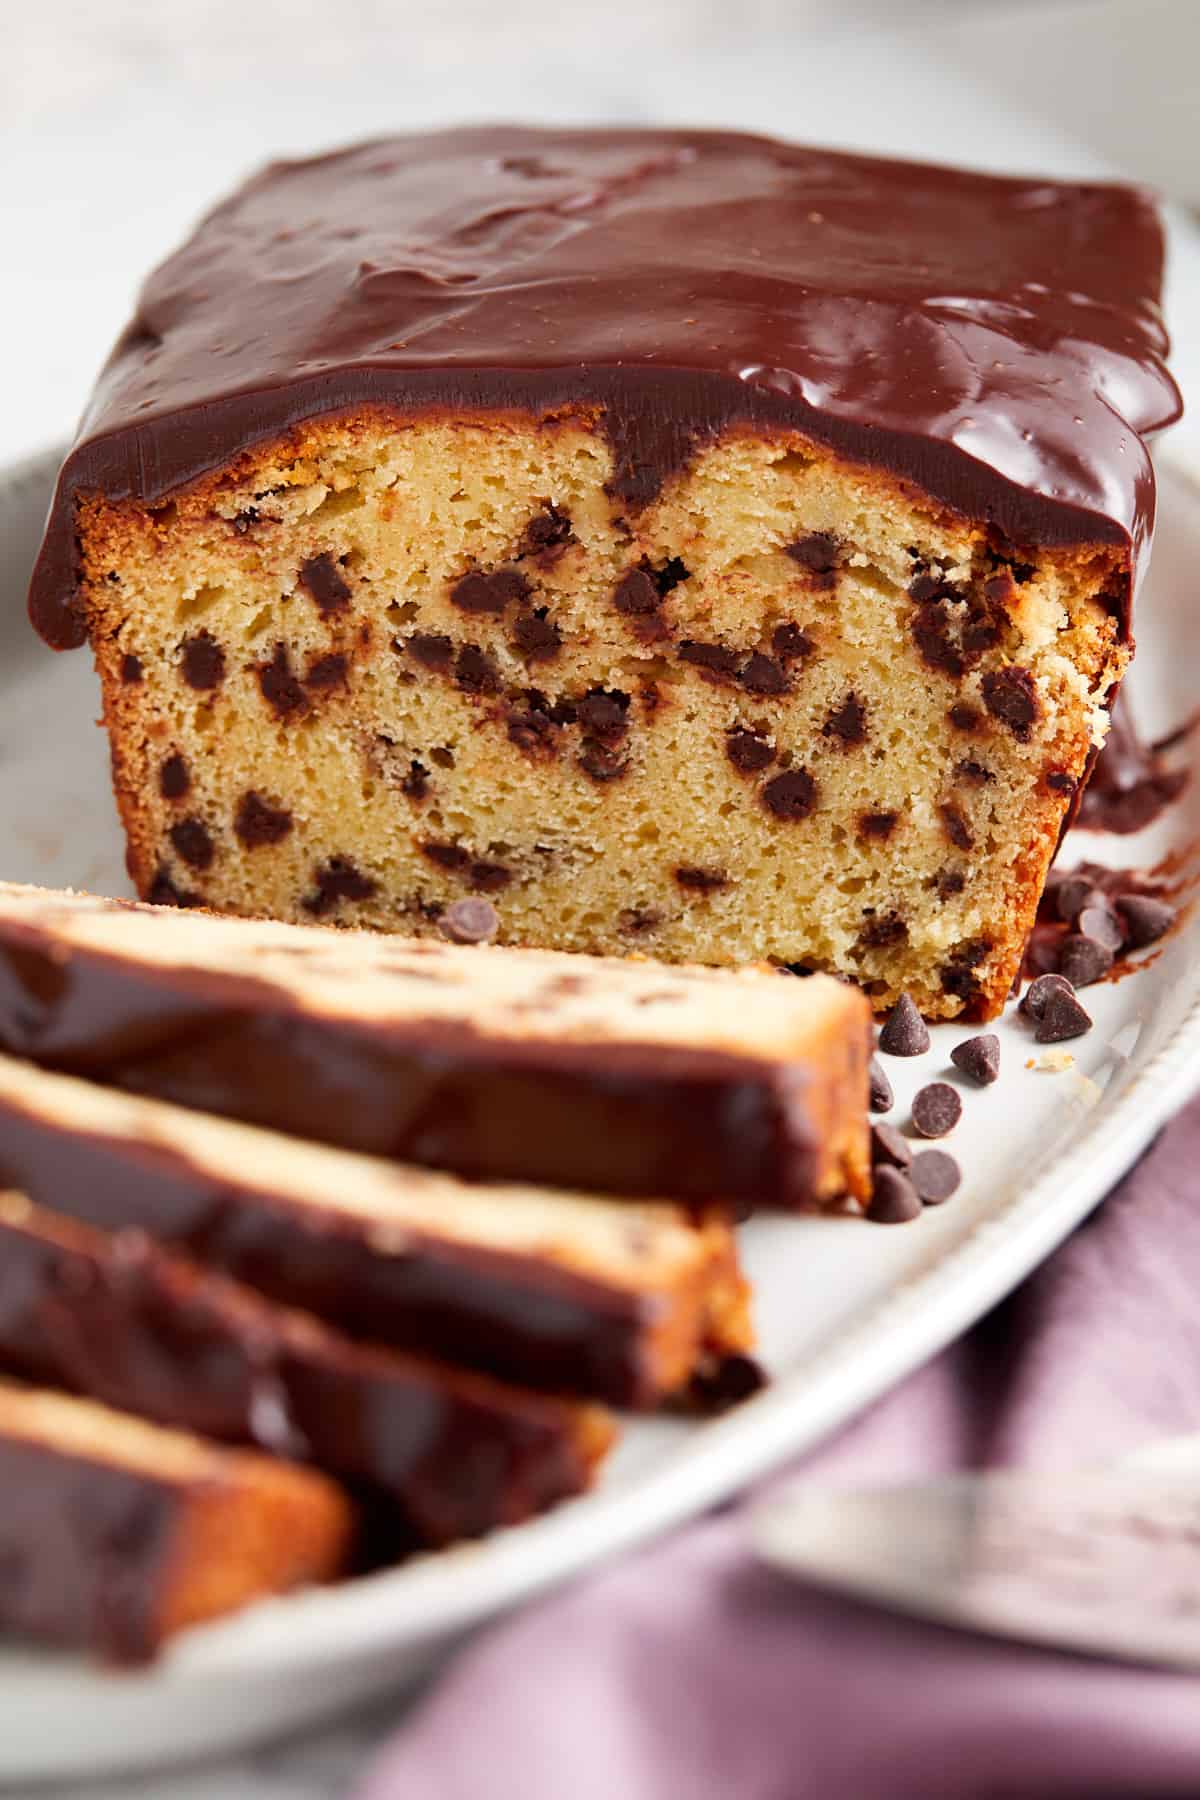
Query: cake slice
{"type": "Point", "coordinates": [115, 1534]}
{"type": "Point", "coordinates": [618, 1300]}
{"type": "Point", "coordinates": [444, 1454]}
{"type": "Point", "coordinates": [692, 542]}
{"type": "Point", "coordinates": [623, 1077]}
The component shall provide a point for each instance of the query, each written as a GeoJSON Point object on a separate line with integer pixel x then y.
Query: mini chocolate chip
{"type": "Point", "coordinates": [475, 671]}
{"type": "Point", "coordinates": [327, 672]}
{"type": "Point", "coordinates": [536, 636]}
{"type": "Point", "coordinates": [193, 843]}
{"type": "Point", "coordinates": [326, 583]}
{"type": "Point", "coordinates": [848, 722]}
{"type": "Point", "coordinates": [877, 825]}
{"type": "Point", "coordinates": [948, 882]}
{"type": "Point", "coordinates": [636, 595]}
{"type": "Point", "coordinates": [488, 877]}
{"type": "Point", "coordinates": [603, 714]}
{"type": "Point", "coordinates": [957, 974]}
{"type": "Point", "coordinates": [999, 588]}
{"type": "Point", "coordinates": [547, 535]}
{"type": "Point", "coordinates": [818, 552]}
{"type": "Point", "coordinates": [1062, 1017]}
{"type": "Point", "coordinates": [725, 1382]}
{"type": "Point", "coordinates": [599, 762]}
{"type": "Point", "coordinates": [936, 1109]}
{"type": "Point", "coordinates": [703, 881]}
{"type": "Point", "coordinates": [716, 662]}
{"type": "Point", "coordinates": [415, 784]}
{"type": "Point", "coordinates": [935, 1175]}
{"type": "Point", "coordinates": [203, 661]}
{"type": "Point", "coordinates": [1146, 919]}
{"type": "Point", "coordinates": [889, 1146]}
{"type": "Point", "coordinates": [894, 1198]}
{"type": "Point", "coordinates": [639, 919]}
{"type": "Point", "coordinates": [748, 751]}
{"type": "Point", "coordinates": [956, 827]}
{"type": "Point", "coordinates": [763, 675]}
{"type": "Point", "coordinates": [164, 892]}
{"type": "Point", "coordinates": [790, 642]}
{"type": "Point", "coordinates": [245, 520]}
{"type": "Point", "coordinates": [131, 670]}
{"type": "Point", "coordinates": [964, 717]}
{"type": "Point", "coordinates": [431, 648]}
{"type": "Point", "coordinates": [258, 822]}
{"type": "Point", "coordinates": [533, 730]}
{"type": "Point", "coordinates": [280, 689]}
{"type": "Point", "coordinates": [173, 778]}
{"type": "Point", "coordinates": [927, 585]}
{"type": "Point", "coordinates": [337, 880]}
{"type": "Point", "coordinates": [1010, 695]}
{"type": "Point", "coordinates": [1083, 960]}
{"type": "Point", "coordinates": [469, 922]}
{"type": "Point", "coordinates": [972, 772]}
{"type": "Point", "coordinates": [1102, 923]}
{"type": "Point", "coordinates": [446, 856]}
{"type": "Point", "coordinates": [1072, 893]}
{"type": "Point", "coordinates": [878, 934]}
{"type": "Point", "coordinates": [931, 634]}
{"type": "Point", "coordinates": [670, 574]}
{"type": "Point", "coordinates": [978, 1058]}
{"type": "Point", "coordinates": [904, 1032]}
{"type": "Point", "coordinates": [791, 796]}
{"type": "Point", "coordinates": [882, 1097]}
{"type": "Point", "coordinates": [477, 592]}
{"type": "Point", "coordinates": [1060, 782]}
{"type": "Point", "coordinates": [1033, 1004]}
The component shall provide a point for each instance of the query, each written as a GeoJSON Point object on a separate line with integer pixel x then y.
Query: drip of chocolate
{"type": "Point", "coordinates": [996, 343]}
{"type": "Point", "coordinates": [1130, 784]}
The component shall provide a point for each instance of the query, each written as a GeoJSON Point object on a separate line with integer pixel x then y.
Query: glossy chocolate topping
{"type": "Point", "coordinates": [997, 343]}
{"type": "Point", "coordinates": [120, 1321]}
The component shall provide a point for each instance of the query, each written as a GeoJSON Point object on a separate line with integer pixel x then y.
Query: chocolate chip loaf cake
{"type": "Point", "coordinates": [624, 1077]}
{"type": "Point", "coordinates": [116, 1534]}
{"type": "Point", "coordinates": [692, 542]}
{"type": "Point", "coordinates": [440, 1453]}
{"type": "Point", "coordinates": [620, 1300]}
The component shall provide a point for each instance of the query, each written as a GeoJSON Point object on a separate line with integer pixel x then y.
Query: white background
{"type": "Point", "coordinates": [120, 121]}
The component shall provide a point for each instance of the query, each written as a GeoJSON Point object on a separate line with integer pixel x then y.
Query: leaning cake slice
{"type": "Point", "coordinates": [442, 1453]}
{"type": "Point", "coordinates": [693, 542]}
{"type": "Point", "coordinates": [620, 1300]}
{"type": "Point", "coordinates": [115, 1534]}
{"type": "Point", "coordinates": [625, 1077]}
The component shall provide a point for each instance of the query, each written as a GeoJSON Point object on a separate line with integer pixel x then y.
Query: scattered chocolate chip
{"type": "Point", "coordinates": [636, 595]}
{"type": "Point", "coordinates": [847, 722]}
{"type": "Point", "coordinates": [637, 920]}
{"type": "Point", "coordinates": [431, 649]}
{"type": "Point", "coordinates": [192, 843]}
{"type": "Point", "coordinates": [999, 588]}
{"type": "Point", "coordinates": [978, 1058]}
{"type": "Point", "coordinates": [1073, 893]}
{"type": "Point", "coordinates": [131, 670]}
{"type": "Point", "coordinates": [446, 856]}
{"type": "Point", "coordinates": [717, 662]}
{"type": "Point", "coordinates": [880, 933]}
{"type": "Point", "coordinates": [469, 922]}
{"type": "Point", "coordinates": [326, 583]}
{"type": "Point", "coordinates": [280, 688]}
{"type": "Point", "coordinates": [1010, 695]}
{"type": "Point", "coordinates": [1145, 918]}
{"type": "Point", "coordinates": [964, 717]}
{"type": "Point", "coordinates": [1083, 960]}
{"type": "Point", "coordinates": [415, 784]}
{"type": "Point", "coordinates": [936, 1109]}
{"type": "Point", "coordinates": [927, 585]}
{"type": "Point", "coordinates": [791, 796]}
{"type": "Point", "coordinates": [889, 1146]}
{"type": "Point", "coordinates": [1062, 1017]}
{"type": "Point", "coordinates": [748, 751]}
{"type": "Point", "coordinates": [956, 827]}
{"type": "Point", "coordinates": [1033, 1005]}
{"type": "Point", "coordinates": [763, 675]}
{"type": "Point", "coordinates": [258, 822]}
{"type": "Point", "coordinates": [894, 1198]}
{"type": "Point", "coordinates": [957, 975]}
{"type": "Point", "coordinates": [477, 592]}
{"type": "Point", "coordinates": [475, 671]}
{"type": "Point", "coordinates": [702, 881]}
{"type": "Point", "coordinates": [817, 552]}
{"type": "Point", "coordinates": [882, 1097]}
{"type": "Point", "coordinates": [327, 672]}
{"type": "Point", "coordinates": [174, 779]}
{"type": "Point", "coordinates": [532, 729]}
{"type": "Point", "coordinates": [488, 877]}
{"type": "Point", "coordinates": [163, 892]}
{"type": "Point", "coordinates": [670, 574]}
{"type": "Point", "coordinates": [948, 882]}
{"type": "Point", "coordinates": [536, 637]}
{"type": "Point", "coordinates": [935, 1175]}
{"type": "Point", "coordinates": [931, 634]}
{"type": "Point", "coordinates": [1101, 922]}
{"type": "Point", "coordinates": [546, 536]}
{"type": "Point", "coordinates": [725, 1382]}
{"type": "Point", "coordinates": [245, 520]}
{"type": "Point", "coordinates": [1060, 782]}
{"type": "Point", "coordinates": [904, 1032]}
{"type": "Point", "coordinates": [337, 880]}
{"type": "Point", "coordinates": [877, 825]}
{"type": "Point", "coordinates": [972, 772]}
{"type": "Point", "coordinates": [599, 762]}
{"type": "Point", "coordinates": [603, 713]}
{"type": "Point", "coordinates": [790, 642]}
{"type": "Point", "coordinates": [203, 661]}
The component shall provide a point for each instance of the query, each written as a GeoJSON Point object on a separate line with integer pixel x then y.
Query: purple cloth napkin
{"type": "Point", "coordinates": [687, 1672]}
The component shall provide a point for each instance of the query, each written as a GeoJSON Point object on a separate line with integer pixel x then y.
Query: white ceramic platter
{"type": "Point", "coordinates": [845, 1308]}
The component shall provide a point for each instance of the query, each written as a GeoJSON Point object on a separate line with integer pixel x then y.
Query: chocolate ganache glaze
{"type": "Point", "coordinates": [997, 343]}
